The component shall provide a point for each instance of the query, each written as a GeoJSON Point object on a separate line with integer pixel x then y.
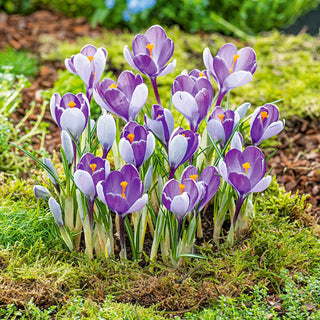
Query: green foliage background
{"type": "Point", "coordinates": [227, 16]}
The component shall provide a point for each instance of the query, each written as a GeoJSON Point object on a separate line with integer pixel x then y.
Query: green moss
{"type": "Point", "coordinates": [20, 62]}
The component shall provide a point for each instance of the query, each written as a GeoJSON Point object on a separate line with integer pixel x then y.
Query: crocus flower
{"type": "Point", "coordinates": [124, 99]}
{"type": "Point", "coordinates": [89, 64]}
{"type": "Point", "coordinates": [222, 123]}
{"type": "Point", "coordinates": [52, 174]}
{"type": "Point", "coordinates": [244, 171]}
{"type": "Point", "coordinates": [180, 198]}
{"type": "Point", "coordinates": [265, 123]}
{"type": "Point", "coordinates": [193, 98]}
{"type": "Point", "coordinates": [71, 112]}
{"type": "Point", "coordinates": [208, 182]}
{"type": "Point", "coordinates": [230, 68]}
{"type": "Point", "coordinates": [41, 192]}
{"type": "Point", "coordinates": [106, 132]}
{"type": "Point", "coordinates": [56, 211]}
{"type": "Point", "coordinates": [122, 192]}
{"type": "Point", "coordinates": [161, 124]}
{"type": "Point", "coordinates": [136, 144]}
{"type": "Point", "coordinates": [182, 146]}
{"type": "Point", "coordinates": [151, 52]}
{"type": "Point", "coordinates": [89, 171]}
{"type": "Point", "coordinates": [195, 74]}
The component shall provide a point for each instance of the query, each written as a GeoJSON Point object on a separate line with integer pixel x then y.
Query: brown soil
{"type": "Point", "coordinates": [296, 164]}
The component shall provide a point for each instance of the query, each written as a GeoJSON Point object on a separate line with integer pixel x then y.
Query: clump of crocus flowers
{"type": "Point", "coordinates": [152, 174]}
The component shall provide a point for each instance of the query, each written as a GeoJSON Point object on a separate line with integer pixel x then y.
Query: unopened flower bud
{"type": "Point", "coordinates": [41, 192]}
{"type": "Point", "coordinates": [53, 174]}
{"type": "Point", "coordinates": [148, 179]}
{"type": "Point", "coordinates": [56, 211]}
{"type": "Point", "coordinates": [106, 132]}
{"type": "Point", "coordinates": [67, 146]}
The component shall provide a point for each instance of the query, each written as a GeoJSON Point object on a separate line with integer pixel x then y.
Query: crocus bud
{"type": "Point", "coordinates": [41, 192]}
{"type": "Point", "coordinates": [53, 177]}
{"type": "Point", "coordinates": [237, 141]}
{"type": "Point", "coordinates": [106, 132]}
{"type": "Point", "coordinates": [67, 146]}
{"type": "Point", "coordinates": [56, 211]}
{"type": "Point", "coordinates": [148, 179]}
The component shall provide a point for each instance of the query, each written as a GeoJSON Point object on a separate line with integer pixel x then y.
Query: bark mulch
{"type": "Point", "coordinates": [296, 164]}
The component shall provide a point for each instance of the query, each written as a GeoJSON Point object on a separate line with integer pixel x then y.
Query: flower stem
{"type": "Point", "coordinates": [236, 214]}
{"type": "Point", "coordinates": [123, 253]}
{"type": "Point", "coordinates": [91, 204]}
{"type": "Point", "coordinates": [155, 89]}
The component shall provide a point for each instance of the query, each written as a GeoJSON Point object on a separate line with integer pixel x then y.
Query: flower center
{"type": "Point", "coordinates": [71, 104]}
{"type": "Point", "coordinates": [201, 75]}
{"type": "Point", "coordinates": [93, 167]}
{"type": "Point", "coordinates": [113, 86]}
{"type": "Point", "coordinates": [221, 116]}
{"type": "Point", "coordinates": [181, 186]}
{"type": "Point", "coordinates": [246, 166]}
{"type": "Point", "coordinates": [183, 134]}
{"type": "Point", "coordinates": [123, 184]}
{"type": "Point", "coordinates": [194, 177]}
{"type": "Point", "coordinates": [264, 114]}
{"type": "Point", "coordinates": [130, 136]}
{"type": "Point", "coordinates": [235, 58]}
{"type": "Point", "coordinates": [90, 58]}
{"type": "Point", "coordinates": [150, 47]}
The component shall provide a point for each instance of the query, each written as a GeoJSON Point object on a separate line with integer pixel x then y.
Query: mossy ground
{"type": "Point", "coordinates": [36, 267]}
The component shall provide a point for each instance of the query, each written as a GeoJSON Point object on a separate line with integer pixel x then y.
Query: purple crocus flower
{"type": "Point", "coordinates": [124, 99]}
{"type": "Point", "coordinates": [208, 182]}
{"type": "Point", "coordinates": [230, 68]}
{"type": "Point", "coordinates": [244, 171]}
{"type": "Point", "coordinates": [122, 192]}
{"type": "Point", "coordinates": [136, 144]}
{"type": "Point", "coordinates": [265, 123]}
{"type": "Point", "coordinates": [89, 171]}
{"type": "Point", "coordinates": [221, 124]}
{"type": "Point", "coordinates": [89, 64]}
{"type": "Point", "coordinates": [193, 98]}
{"type": "Point", "coordinates": [71, 112]}
{"type": "Point", "coordinates": [151, 52]}
{"type": "Point", "coordinates": [180, 198]}
{"type": "Point", "coordinates": [182, 146]}
{"type": "Point", "coordinates": [195, 74]}
{"type": "Point", "coordinates": [161, 124]}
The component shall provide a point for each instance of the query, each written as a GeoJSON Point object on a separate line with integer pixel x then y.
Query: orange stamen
{"type": "Point", "coordinates": [150, 47]}
{"type": "Point", "coordinates": [181, 186]}
{"type": "Point", "coordinates": [264, 114]}
{"type": "Point", "coordinates": [183, 134]}
{"type": "Point", "coordinates": [71, 104]}
{"type": "Point", "coordinates": [246, 166]}
{"type": "Point", "coordinates": [90, 58]}
{"type": "Point", "coordinates": [123, 184]}
{"type": "Point", "coordinates": [201, 75]}
{"type": "Point", "coordinates": [93, 167]}
{"type": "Point", "coordinates": [113, 86]}
{"type": "Point", "coordinates": [221, 116]}
{"type": "Point", "coordinates": [93, 75]}
{"type": "Point", "coordinates": [194, 177]}
{"type": "Point", "coordinates": [130, 136]}
{"type": "Point", "coordinates": [235, 58]}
